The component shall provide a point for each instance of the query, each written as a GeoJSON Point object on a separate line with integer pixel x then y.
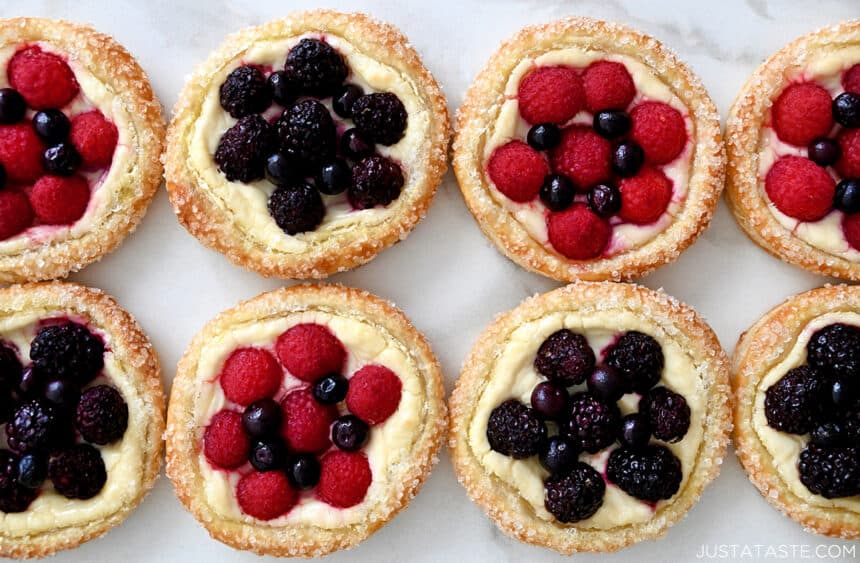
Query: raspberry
{"type": "Point", "coordinates": [21, 152]}
{"type": "Point", "coordinates": [306, 423]}
{"type": "Point", "coordinates": [591, 424]}
{"type": "Point", "coordinates": [550, 94]}
{"type": "Point", "coordinates": [68, 351]}
{"type": "Point", "coordinates": [245, 91]}
{"type": "Point", "coordinates": [376, 180]}
{"type": "Point", "coordinates": [59, 200]}
{"type": "Point", "coordinates": [77, 472]}
{"type": "Point", "coordinates": [849, 164]}
{"type": "Point", "coordinates": [102, 415]}
{"type": "Point", "coordinates": [310, 351]}
{"type": "Point", "coordinates": [344, 478]}
{"type": "Point", "coordinates": [660, 130]}
{"type": "Point", "coordinates": [45, 80]}
{"type": "Point", "coordinates": [639, 358]}
{"type": "Point", "coordinates": [800, 188]}
{"type": "Point", "coordinates": [243, 149]}
{"type": "Point", "coordinates": [578, 233]}
{"type": "Point", "coordinates": [374, 394]}
{"type": "Point", "coordinates": [296, 209]}
{"type": "Point", "coordinates": [583, 156]}
{"type": "Point", "coordinates": [802, 113]}
{"type": "Point", "coordinates": [793, 403]}
{"type": "Point", "coordinates": [850, 228]}
{"type": "Point", "coordinates": [608, 85]}
{"type": "Point", "coordinates": [645, 197]}
{"type": "Point", "coordinates": [515, 430]}
{"type": "Point", "coordinates": [576, 495]}
{"type": "Point", "coordinates": [830, 472]}
{"type": "Point", "coordinates": [652, 473]}
{"type": "Point", "coordinates": [225, 444]}
{"type": "Point", "coordinates": [250, 374]}
{"type": "Point", "coordinates": [517, 170]}
{"type": "Point", "coordinates": [313, 68]}
{"type": "Point", "coordinates": [835, 349]}
{"type": "Point", "coordinates": [565, 357]}
{"type": "Point", "coordinates": [95, 138]}
{"type": "Point", "coordinates": [13, 496]}
{"type": "Point", "coordinates": [265, 496]}
{"type": "Point", "coordinates": [380, 118]}
{"type": "Point", "coordinates": [667, 413]}
{"type": "Point", "coordinates": [16, 215]}
{"type": "Point", "coordinates": [851, 79]}
{"type": "Point", "coordinates": [306, 129]}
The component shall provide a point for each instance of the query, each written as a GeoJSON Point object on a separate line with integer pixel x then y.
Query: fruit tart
{"type": "Point", "coordinates": [301, 421]}
{"type": "Point", "coordinates": [306, 145]}
{"type": "Point", "coordinates": [587, 150]}
{"type": "Point", "coordinates": [81, 135]}
{"type": "Point", "coordinates": [797, 410]}
{"type": "Point", "coordinates": [591, 417]}
{"type": "Point", "coordinates": [82, 409]}
{"type": "Point", "coordinates": [793, 140]}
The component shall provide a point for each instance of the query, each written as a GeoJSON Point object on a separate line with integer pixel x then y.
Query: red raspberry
{"type": "Point", "coordinates": [550, 94]}
{"type": "Point", "coordinates": [851, 229]}
{"type": "Point", "coordinates": [44, 79]}
{"type": "Point", "coordinates": [374, 394]}
{"type": "Point", "coordinates": [21, 153]}
{"type": "Point", "coordinates": [265, 496]}
{"type": "Point", "coordinates": [800, 188]}
{"type": "Point", "coordinates": [608, 85]}
{"type": "Point", "coordinates": [224, 442]}
{"type": "Point", "coordinates": [517, 170]}
{"type": "Point", "coordinates": [344, 478]}
{"type": "Point", "coordinates": [583, 156]}
{"type": "Point", "coordinates": [851, 79]}
{"type": "Point", "coordinates": [645, 196]}
{"type": "Point", "coordinates": [59, 200]}
{"type": "Point", "coordinates": [95, 138]}
{"type": "Point", "coordinates": [15, 213]}
{"type": "Point", "coordinates": [310, 351]}
{"type": "Point", "coordinates": [578, 233]}
{"type": "Point", "coordinates": [250, 374]}
{"type": "Point", "coordinates": [660, 131]}
{"type": "Point", "coordinates": [848, 165]}
{"type": "Point", "coordinates": [801, 113]}
{"type": "Point", "coordinates": [306, 422]}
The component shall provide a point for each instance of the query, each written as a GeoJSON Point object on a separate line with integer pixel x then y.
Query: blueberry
{"type": "Point", "coordinates": [557, 192]}
{"type": "Point", "coordinates": [63, 393]}
{"type": "Point", "coordinates": [828, 434]}
{"type": "Point", "coordinates": [51, 125]}
{"type": "Point", "coordinates": [823, 151]}
{"type": "Point", "coordinates": [280, 87]}
{"type": "Point", "coordinates": [268, 455]}
{"type": "Point", "coordinates": [331, 389]}
{"type": "Point", "coordinates": [344, 99]}
{"type": "Point", "coordinates": [611, 123]}
{"type": "Point", "coordinates": [12, 106]}
{"type": "Point", "coordinates": [544, 136]}
{"type": "Point", "coordinates": [62, 159]}
{"type": "Point", "coordinates": [2, 177]}
{"type": "Point", "coordinates": [549, 399]}
{"type": "Point", "coordinates": [635, 431]}
{"type": "Point", "coordinates": [32, 470]}
{"type": "Point", "coordinates": [559, 455]}
{"type": "Point", "coordinates": [281, 169]}
{"type": "Point", "coordinates": [842, 392]}
{"type": "Point", "coordinates": [30, 381]}
{"type": "Point", "coordinates": [606, 383]}
{"type": "Point", "coordinates": [605, 200]}
{"type": "Point", "coordinates": [354, 146]}
{"type": "Point", "coordinates": [847, 197]}
{"type": "Point", "coordinates": [262, 417]}
{"type": "Point", "coordinates": [303, 471]}
{"type": "Point", "coordinates": [349, 433]}
{"type": "Point", "coordinates": [627, 159]}
{"type": "Point", "coordinates": [846, 109]}
{"type": "Point", "coordinates": [334, 177]}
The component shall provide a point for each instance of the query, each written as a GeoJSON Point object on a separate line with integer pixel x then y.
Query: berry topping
{"type": "Point", "coordinates": [12, 106]}
{"type": "Point", "coordinates": [515, 430]}
{"type": "Point", "coordinates": [380, 117]}
{"type": "Point", "coordinates": [344, 478]}
{"type": "Point", "coordinates": [846, 109]}
{"type": "Point", "coordinates": [517, 170]}
{"type": "Point", "coordinates": [282, 169]}
{"type": "Point", "coordinates": [828, 435]}
{"type": "Point", "coordinates": [330, 389]}
{"type": "Point", "coordinates": [801, 113]}
{"type": "Point", "coordinates": [265, 496]}
{"type": "Point", "coordinates": [550, 94]}
{"type": "Point", "coordinates": [250, 374]}
{"type": "Point", "coordinates": [102, 415]}
{"type": "Point", "coordinates": [268, 454]}
{"type": "Point", "coordinates": [32, 470]}
{"type": "Point", "coordinates": [315, 69]}
{"type": "Point", "coordinates": [830, 472]}
{"type": "Point", "coordinates": [850, 228]}
{"type": "Point", "coordinates": [608, 85]}
{"type": "Point", "coordinates": [835, 349]}
{"type": "Point", "coordinates": [627, 159]}
{"type": "Point", "coordinates": [31, 381]}
{"type": "Point", "coordinates": [583, 156]}
{"type": "Point", "coordinates": [591, 424]}
{"type": "Point", "coordinates": [604, 199]}
{"type": "Point", "coordinates": [558, 455]}
{"type": "Point", "coordinates": [43, 79]}
{"type": "Point", "coordinates": [307, 130]}
{"type": "Point", "coordinates": [68, 351]}
{"type": "Point", "coordinates": [606, 383]}
{"type": "Point", "coordinates": [823, 151]}
{"type": "Point", "coordinates": [842, 392]}
{"type": "Point", "coordinates": [95, 138]}
{"type": "Point", "coordinates": [374, 394]}
{"type": "Point", "coordinates": [225, 444]}
{"type": "Point", "coordinates": [77, 472]}
{"type": "Point", "coordinates": [578, 233]}
{"type": "Point", "coordinates": [851, 79]}
{"type": "Point", "coordinates": [639, 358]}
{"type": "Point", "coordinates": [635, 431]}
{"type": "Point", "coordinates": [21, 152]}
{"type": "Point", "coordinates": [799, 188]}
{"type": "Point", "coordinates": [62, 159]}
{"type": "Point", "coordinates": [345, 98]}
{"type": "Point", "coordinates": [306, 423]}
{"type": "Point", "coordinates": [349, 433]}
{"type": "Point", "coordinates": [310, 351]}
{"type": "Point", "coordinates": [576, 495]}
{"type": "Point", "coordinates": [550, 399]}
{"type": "Point", "coordinates": [557, 192]}
{"type": "Point", "coordinates": [296, 209]}
{"type": "Point", "coordinates": [10, 366]}
{"type": "Point", "coordinates": [60, 201]}
{"type": "Point", "coordinates": [243, 149]}
{"type": "Point", "coordinates": [14, 497]}
{"type": "Point", "coordinates": [792, 403]}
{"type": "Point", "coordinates": [262, 418]}
{"type": "Point", "coordinates": [282, 92]}
{"type": "Point", "coordinates": [847, 198]}
{"type": "Point", "coordinates": [565, 357]}
{"type": "Point", "coordinates": [667, 413]}
{"type": "Point", "coordinates": [303, 471]}
{"type": "Point", "coordinates": [376, 180]}
{"type": "Point", "coordinates": [334, 177]}
{"type": "Point", "coordinates": [544, 136]}
{"type": "Point", "coordinates": [849, 143]}
{"type": "Point", "coordinates": [51, 125]}
{"type": "Point", "coordinates": [611, 123]}
{"type": "Point", "coordinates": [660, 131]}
{"type": "Point", "coordinates": [650, 474]}
{"type": "Point", "coordinates": [15, 213]}
{"type": "Point", "coordinates": [245, 92]}
{"type": "Point", "coordinates": [354, 146]}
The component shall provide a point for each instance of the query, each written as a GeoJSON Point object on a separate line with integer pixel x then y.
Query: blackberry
{"type": "Point", "coordinates": [62, 159]}
{"type": "Point", "coordinates": [380, 117]}
{"type": "Point", "coordinates": [565, 357]}
{"type": "Point", "coordinates": [558, 455]}
{"type": "Point", "coordinates": [307, 130]}
{"type": "Point", "coordinates": [314, 68]}
{"type": "Point", "coordinates": [835, 349]}
{"type": "Point", "coordinates": [102, 415]}
{"type": "Point", "coordinates": [10, 367]}
{"type": "Point", "coordinates": [14, 497]}
{"type": "Point", "coordinates": [243, 149]}
{"type": "Point", "coordinates": [515, 430]}
{"type": "Point", "coordinates": [794, 402]}
{"type": "Point", "coordinates": [376, 180]}
{"type": "Point", "coordinates": [591, 424]}
{"type": "Point", "coordinates": [828, 434]}
{"type": "Point", "coordinates": [667, 413]}
{"type": "Point", "coordinates": [639, 358]}
{"type": "Point", "coordinates": [576, 495]}
{"type": "Point", "coordinates": [77, 472]}
{"type": "Point", "coordinates": [36, 426]}
{"type": "Point", "coordinates": [830, 472]}
{"type": "Point", "coordinates": [245, 92]}
{"type": "Point", "coordinates": [297, 208]}
{"type": "Point", "coordinates": [652, 473]}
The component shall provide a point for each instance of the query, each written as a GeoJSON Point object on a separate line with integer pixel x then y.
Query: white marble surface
{"type": "Point", "coordinates": [446, 276]}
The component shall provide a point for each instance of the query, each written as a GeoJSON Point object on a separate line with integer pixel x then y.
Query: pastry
{"type": "Point", "coordinates": [587, 151]}
{"type": "Point", "coordinates": [797, 409]}
{"type": "Point", "coordinates": [301, 421]}
{"type": "Point", "coordinates": [591, 417]}
{"type": "Point", "coordinates": [81, 136]}
{"type": "Point", "coordinates": [306, 145]}
{"type": "Point", "coordinates": [83, 413]}
{"type": "Point", "coordinates": [794, 153]}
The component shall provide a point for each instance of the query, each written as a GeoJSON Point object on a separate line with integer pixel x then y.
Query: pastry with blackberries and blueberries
{"type": "Point", "coordinates": [305, 146]}
{"type": "Point", "coordinates": [591, 417]}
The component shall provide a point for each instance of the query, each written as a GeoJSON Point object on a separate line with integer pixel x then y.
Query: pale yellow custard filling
{"type": "Point", "coordinates": [513, 376]}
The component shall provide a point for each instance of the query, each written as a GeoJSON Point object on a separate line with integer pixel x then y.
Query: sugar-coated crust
{"type": "Point", "coordinates": [303, 541]}
{"type": "Point", "coordinates": [215, 227]}
{"type": "Point", "coordinates": [761, 347]}
{"type": "Point", "coordinates": [747, 116]}
{"type": "Point", "coordinates": [480, 110]}
{"type": "Point", "coordinates": [132, 349]}
{"type": "Point", "coordinates": [110, 63]}
{"type": "Point", "coordinates": [669, 317]}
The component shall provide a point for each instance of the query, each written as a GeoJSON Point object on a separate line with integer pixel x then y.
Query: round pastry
{"type": "Point", "coordinates": [306, 145]}
{"type": "Point", "coordinates": [303, 420]}
{"type": "Point", "coordinates": [81, 136]}
{"type": "Point", "coordinates": [591, 417]}
{"type": "Point", "coordinates": [793, 140]}
{"type": "Point", "coordinates": [587, 150]}
{"type": "Point", "coordinates": [83, 413]}
{"type": "Point", "coordinates": [797, 410]}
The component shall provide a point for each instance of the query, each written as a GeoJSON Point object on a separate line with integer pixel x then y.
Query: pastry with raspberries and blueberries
{"type": "Point", "coordinates": [303, 420]}
{"type": "Point", "coordinates": [793, 141]}
{"type": "Point", "coordinates": [305, 146]}
{"type": "Point", "coordinates": [81, 136]}
{"type": "Point", "coordinates": [797, 410]}
{"type": "Point", "coordinates": [82, 412]}
{"type": "Point", "coordinates": [587, 151]}
{"type": "Point", "coordinates": [591, 417]}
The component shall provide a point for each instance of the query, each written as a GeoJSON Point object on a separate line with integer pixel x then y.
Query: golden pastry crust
{"type": "Point", "coordinates": [183, 435]}
{"type": "Point", "coordinates": [747, 116]}
{"type": "Point", "coordinates": [671, 318]}
{"type": "Point", "coordinates": [216, 227]}
{"type": "Point", "coordinates": [481, 107]}
{"type": "Point", "coordinates": [131, 348]}
{"type": "Point", "coordinates": [111, 64]}
{"type": "Point", "coordinates": [760, 348]}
